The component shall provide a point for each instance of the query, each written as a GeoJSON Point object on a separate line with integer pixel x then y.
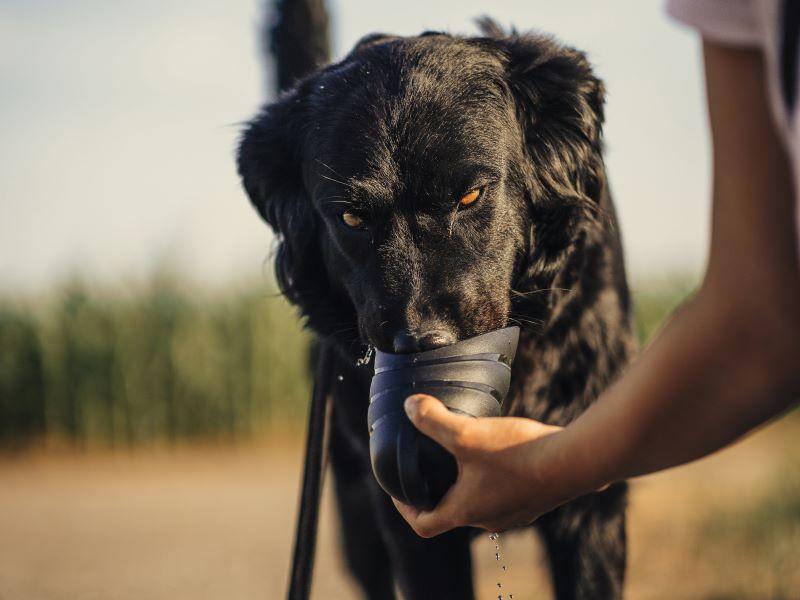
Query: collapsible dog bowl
{"type": "Point", "coordinates": [470, 377]}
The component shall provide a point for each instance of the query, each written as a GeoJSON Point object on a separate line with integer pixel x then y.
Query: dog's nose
{"type": "Point", "coordinates": [405, 342]}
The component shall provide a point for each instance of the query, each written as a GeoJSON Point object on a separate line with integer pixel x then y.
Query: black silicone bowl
{"type": "Point", "coordinates": [471, 377]}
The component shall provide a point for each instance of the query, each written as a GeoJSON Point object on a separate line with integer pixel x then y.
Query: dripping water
{"type": "Point", "coordinates": [495, 538]}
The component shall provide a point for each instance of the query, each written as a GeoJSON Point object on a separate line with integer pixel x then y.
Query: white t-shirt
{"type": "Point", "coordinates": [773, 26]}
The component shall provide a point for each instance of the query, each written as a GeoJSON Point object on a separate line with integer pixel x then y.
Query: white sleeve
{"type": "Point", "coordinates": [733, 22]}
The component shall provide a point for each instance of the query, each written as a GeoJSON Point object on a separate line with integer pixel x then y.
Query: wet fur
{"type": "Point", "coordinates": [544, 253]}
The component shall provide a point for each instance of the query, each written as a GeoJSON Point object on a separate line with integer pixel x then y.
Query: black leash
{"type": "Point", "coordinates": [305, 537]}
{"type": "Point", "coordinates": [298, 36]}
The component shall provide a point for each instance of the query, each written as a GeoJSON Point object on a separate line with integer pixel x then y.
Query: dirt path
{"type": "Point", "coordinates": [217, 523]}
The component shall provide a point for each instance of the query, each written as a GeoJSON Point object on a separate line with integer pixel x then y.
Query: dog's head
{"type": "Point", "coordinates": [421, 186]}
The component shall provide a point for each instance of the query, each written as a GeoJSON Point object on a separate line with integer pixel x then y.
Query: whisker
{"type": "Point", "coordinates": [344, 183]}
{"type": "Point", "coordinates": [330, 168]}
{"type": "Point", "coordinates": [540, 290]}
{"type": "Point", "coordinates": [532, 321]}
{"type": "Point", "coordinates": [343, 330]}
{"type": "Point", "coordinates": [538, 323]}
{"type": "Point", "coordinates": [525, 326]}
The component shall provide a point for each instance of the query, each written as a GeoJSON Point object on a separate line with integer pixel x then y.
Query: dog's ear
{"type": "Point", "coordinates": [559, 107]}
{"type": "Point", "coordinates": [559, 104]}
{"type": "Point", "coordinates": [270, 164]}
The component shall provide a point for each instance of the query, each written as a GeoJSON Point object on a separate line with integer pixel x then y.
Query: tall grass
{"type": "Point", "coordinates": [164, 361]}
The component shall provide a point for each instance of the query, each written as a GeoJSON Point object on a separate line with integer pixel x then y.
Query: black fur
{"type": "Point", "coordinates": [396, 133]}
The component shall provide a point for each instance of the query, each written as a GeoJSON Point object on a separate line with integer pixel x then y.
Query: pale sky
{"type": "Point", "coordinates": [118, 122]}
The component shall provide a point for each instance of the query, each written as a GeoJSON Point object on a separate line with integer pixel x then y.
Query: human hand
{"type": "Point", "coordinates": [505, 468]}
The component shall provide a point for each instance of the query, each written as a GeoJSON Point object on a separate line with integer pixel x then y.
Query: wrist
{"type": "Point", "coordinates": [565, 469]}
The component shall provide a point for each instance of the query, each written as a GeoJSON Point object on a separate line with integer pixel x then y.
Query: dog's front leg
{"type": "Point", "coordinates": [362, 540]}
{"type": "Point", "coordinates": [585, 542]}
{"type": "Point", "coordinates": [440, 567]}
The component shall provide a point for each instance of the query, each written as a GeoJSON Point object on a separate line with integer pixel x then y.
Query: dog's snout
{"type": "Point", "coordinates": [406, 342]}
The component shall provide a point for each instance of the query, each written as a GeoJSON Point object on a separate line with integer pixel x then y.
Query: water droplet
{"type": "Point", "coordinates": [495, 537]}
{"type": "Point", "coordinates": [364, 360]}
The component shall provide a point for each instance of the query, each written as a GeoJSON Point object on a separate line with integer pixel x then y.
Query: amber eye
{"type": "Point", "coordinates": [470, 197]}
{"type": "Point", "coordinates": [352, 220]}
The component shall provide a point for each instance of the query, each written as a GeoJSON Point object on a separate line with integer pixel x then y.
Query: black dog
{"type": "Point", "coordinates": [433, 188]}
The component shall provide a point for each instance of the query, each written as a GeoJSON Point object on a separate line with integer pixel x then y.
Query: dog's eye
{"type": "Point", "coordinates": [470, 197]}
{"type": "Point", "coordinates": [352, 220]}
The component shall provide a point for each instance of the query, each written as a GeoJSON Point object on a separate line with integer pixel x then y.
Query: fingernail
{"type": "Point", "coordinates": [411, 404]}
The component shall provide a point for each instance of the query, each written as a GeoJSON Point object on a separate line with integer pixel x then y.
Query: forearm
{"type": "Point", "coordinates": [708, 378]}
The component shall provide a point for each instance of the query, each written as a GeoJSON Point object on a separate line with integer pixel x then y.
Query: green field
{"type": "Point", "coordinates": [165, 360]}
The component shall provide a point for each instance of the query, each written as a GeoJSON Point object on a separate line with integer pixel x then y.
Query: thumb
{"type": "Point", "coordinates": [433, 419]}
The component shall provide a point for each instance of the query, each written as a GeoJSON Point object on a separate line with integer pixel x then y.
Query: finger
{"type": "Point", "coordinates": [446, 515]}
{"type": "Point", "coordinates": [408, 512]}
{"type": "Point", "coordinates": [425, 524]}
{"type": "Point", "coordinates": [433, 419]}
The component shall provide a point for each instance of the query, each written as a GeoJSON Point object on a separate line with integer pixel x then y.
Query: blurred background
{"type": "Point", "coordinates": [153, 385]}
